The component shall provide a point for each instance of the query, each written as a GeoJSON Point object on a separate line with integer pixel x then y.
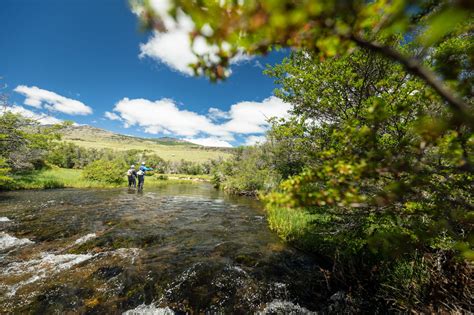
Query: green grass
{"type": "Point", "coordinates": [297, 227]}
{"type": "Point", "coordinates": [53, 178]}
{"type": "Point", "coordinates": [62, 178]}
{"type": "Point", "coordinates": [290, 224]}
{"type": "Point", "coordinates": [203, 177]}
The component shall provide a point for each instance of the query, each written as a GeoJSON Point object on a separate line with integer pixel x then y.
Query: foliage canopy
{"type": "Point", "coordinates": [331, 28]}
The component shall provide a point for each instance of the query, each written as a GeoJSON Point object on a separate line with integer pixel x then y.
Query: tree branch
{"type": "Point", "coordinates": [460, 108]}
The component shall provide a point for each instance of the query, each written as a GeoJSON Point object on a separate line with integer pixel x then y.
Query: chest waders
{"type": "Point", "coordinates": [141, 181]}
{"type": "Point", "coordinates": [131, 181]}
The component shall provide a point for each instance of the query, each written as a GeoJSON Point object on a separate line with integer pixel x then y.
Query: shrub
{"type": "Point", "coordinates": [5, 178]}
{"type": "Point", "coordinates": [248, 172]}
{"type": "Point", "coordinates": [111, 172]}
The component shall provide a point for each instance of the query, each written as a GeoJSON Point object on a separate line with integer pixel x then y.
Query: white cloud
{"type": "Point", "coordinates": [40, 98]}
{"type": "Point", "coordinates": [164, 116]}
{"type": "Point", "coordinates": [209, 142]}
{"type": "Point", "coordinates": [252, 140]}
{"type": "Point", "coordinates": [40, 118]}
{"type": "Point", "coordinates": [112, 116]}
{"type": "Point", "coordinates": [252, 117]}
{"type": "Point", "coordinates": [173, 47]}
{"type": "Point", "coordinates": [216, 114]}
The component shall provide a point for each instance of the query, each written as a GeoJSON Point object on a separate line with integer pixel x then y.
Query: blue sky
{"type": "Point", "coordinates": [79, 59]}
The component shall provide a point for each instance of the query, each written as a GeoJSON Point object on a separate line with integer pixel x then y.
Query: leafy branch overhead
{"type": "Point", "coordinates": [331, 28]}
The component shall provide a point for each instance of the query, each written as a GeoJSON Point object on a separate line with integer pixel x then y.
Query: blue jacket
{"type": "Point", "coordinates": [144, 168]}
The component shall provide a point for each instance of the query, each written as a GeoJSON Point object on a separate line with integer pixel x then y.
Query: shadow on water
{"type": "Point", "coordinates": [176, 248]}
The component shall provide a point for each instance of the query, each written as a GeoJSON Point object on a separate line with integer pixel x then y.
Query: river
{"type": "Point", "coordinates": [181, 248]}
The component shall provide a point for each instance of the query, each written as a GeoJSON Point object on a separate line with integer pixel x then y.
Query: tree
{"type": "Point", "coordinates": [380, 158]}
{"type": "Point", "coordinates": [330, 28]}
{"type": "Point", "coordinates": [23, 142]}
{"type": "Point", "coordinates": [249, 171]}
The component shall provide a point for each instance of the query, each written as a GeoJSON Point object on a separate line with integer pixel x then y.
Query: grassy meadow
{"type": "Point", "coordinates": [167, 148]}
{"type": "Point", "coordinates": [167, 152]}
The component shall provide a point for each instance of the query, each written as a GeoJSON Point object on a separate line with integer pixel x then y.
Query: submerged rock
{"type": "Point", "coordinates": [342, 302]}
{"type": "Point", "coordinates": [284, 307]}
{"type": "Point", "coordinates": [149, 310]}
{"type": "Point", "coordinates": [36, 269]}
{"type": "Point", "coordinates": [108, 272]}
{"type": "Point", "coordinates": [8, 242]}
{"type": "Point", "coordinates": [85, 238]}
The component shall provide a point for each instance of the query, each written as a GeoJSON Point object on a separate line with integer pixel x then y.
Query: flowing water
{"type": "Point", "coordinates": [184, 248]}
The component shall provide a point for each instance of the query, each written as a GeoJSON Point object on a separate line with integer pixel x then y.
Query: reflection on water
{"type": "Point", "coordinates": [173, 249]}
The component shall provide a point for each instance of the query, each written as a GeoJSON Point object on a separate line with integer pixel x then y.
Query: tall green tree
{"type": "Point", "coordinates": [381, 157]}
{"type": "Point", "coordinates": [24, 142]}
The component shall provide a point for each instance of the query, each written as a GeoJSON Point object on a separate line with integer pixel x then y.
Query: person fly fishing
{"type": "Point", "coordinates": [141, 175]}
{"type": "Point", "coordinates": [132, 174]}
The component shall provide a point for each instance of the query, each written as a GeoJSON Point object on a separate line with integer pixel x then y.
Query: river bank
{"type": "Point", "coordinates": [71, 178]}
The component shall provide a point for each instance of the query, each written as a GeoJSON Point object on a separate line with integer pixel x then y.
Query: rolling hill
{"type": "Point", "coordinates": [168, 148]}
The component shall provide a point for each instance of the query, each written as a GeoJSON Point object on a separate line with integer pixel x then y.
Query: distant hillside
{"type": "Point", "coordinates": [89, 133]}
{"type": "Point", "coordinates": [167, 148]}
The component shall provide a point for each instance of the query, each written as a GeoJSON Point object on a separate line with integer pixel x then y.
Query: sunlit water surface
{"type": "Point", "coordinates": [172, 249]}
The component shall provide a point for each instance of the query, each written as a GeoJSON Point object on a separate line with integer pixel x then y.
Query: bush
{"type": "Point", "coordinates": [5, 178]}
{"type": "Point", "coordinates": [111, 172]}
{"type": "Point", "coordinates": [248, 172]}
{"type": "Point", "coordinates": [162, 177]}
